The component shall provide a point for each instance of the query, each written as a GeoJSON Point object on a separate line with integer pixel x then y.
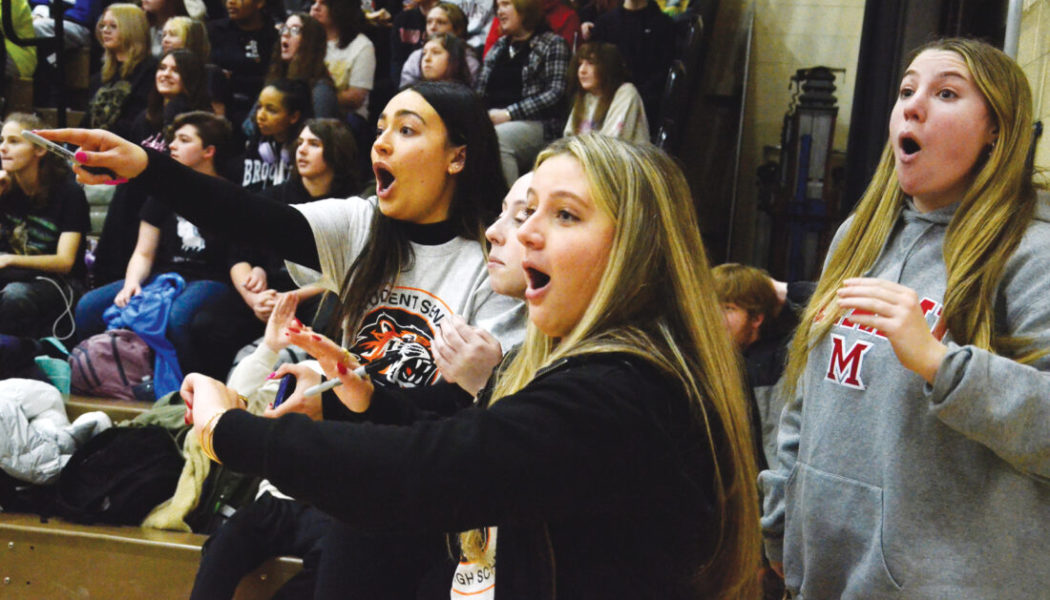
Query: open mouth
{"type": "Point", "coordinates": [909, 146]}
{"type": "Point", "coordinates": [384, 179]}
{"type": "Point", "coordinates": [537, 279]}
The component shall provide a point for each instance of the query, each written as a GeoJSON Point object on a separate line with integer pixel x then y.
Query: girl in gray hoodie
{"type": "Point", "coordinates": [914, 453]}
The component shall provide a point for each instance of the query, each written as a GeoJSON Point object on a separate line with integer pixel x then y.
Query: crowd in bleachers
{"type": "Point", "coordinates": [267, 67]}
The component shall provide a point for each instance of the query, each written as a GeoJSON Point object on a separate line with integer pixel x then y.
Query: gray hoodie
{"type": "Point", "coordinates": [887, 487]}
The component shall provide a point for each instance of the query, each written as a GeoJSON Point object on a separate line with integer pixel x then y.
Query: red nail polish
{"type": "Point", "coordinates": [342, 368]}
{"type": "Point", "coordinates": [294, 329]}
{"type": "Point", "coordinates": [116, 181]}
{"type": "Point", "coordinates": [316, 337]}
{"type": "Point", "coordinates": [297, 322]}
{"type": "Point", "coordinates": [80, 156]}
{"type": "Point", "coordinates": [272, 375]}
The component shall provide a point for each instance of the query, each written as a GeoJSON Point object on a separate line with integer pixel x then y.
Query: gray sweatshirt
{"type": "Point", "coordinates": [887, 487]}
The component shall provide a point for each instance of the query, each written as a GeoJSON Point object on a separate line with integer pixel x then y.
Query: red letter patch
{"type": "Point", "coordinates": [844, 367]}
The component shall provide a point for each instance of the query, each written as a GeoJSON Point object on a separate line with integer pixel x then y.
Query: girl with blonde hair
{"type": "Point", "coordinates": [158, 13]}
{"type": "Point", "coordinates": [188, 33]}
{"type": "Point", "coordinates": [120, 91]}
{"type": "Point", "coordinates": [622, 416]}
{"type": "Point", "coordinates": [917, 379]}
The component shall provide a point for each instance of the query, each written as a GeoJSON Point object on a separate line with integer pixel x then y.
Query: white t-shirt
{"type": "Point", "coordinates": [473, 580]}
{"type": "Point", "coordinates": [444, 279]}
{"type": "Point", "coordinates": [353, 66]}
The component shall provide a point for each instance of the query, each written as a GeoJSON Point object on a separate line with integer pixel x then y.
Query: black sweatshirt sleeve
{"type": "Point", "coordinates": [605, 431]}
{"type": "Point", "coordinates": [230, 211]}
{"type": "Point", "coordinates": [401, 406]}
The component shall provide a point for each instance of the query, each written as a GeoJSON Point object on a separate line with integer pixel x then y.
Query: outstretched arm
{"type": "Point", "coordinates": [209, 202]}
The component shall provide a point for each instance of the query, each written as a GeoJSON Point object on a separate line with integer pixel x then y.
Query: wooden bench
{"type": "Point", "coordinates": [118, 410]}
{"type": "Point", "coordinates": [56, 560]}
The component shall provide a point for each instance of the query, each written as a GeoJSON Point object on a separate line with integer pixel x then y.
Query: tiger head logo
{"type": "Point", "coordinates": [413, 364]}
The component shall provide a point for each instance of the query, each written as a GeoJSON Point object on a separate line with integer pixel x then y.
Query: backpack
{"type": "Point", "coordinates": [119, 476]}
{"type": "Point", "coordinates": [110, 364]}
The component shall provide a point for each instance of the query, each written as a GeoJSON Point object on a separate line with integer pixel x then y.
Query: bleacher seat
{"type": "Point", "coordinates": [57, 560]}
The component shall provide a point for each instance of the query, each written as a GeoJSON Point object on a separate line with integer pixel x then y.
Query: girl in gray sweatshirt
{"type": "Point", "coordinates": [914, 451]}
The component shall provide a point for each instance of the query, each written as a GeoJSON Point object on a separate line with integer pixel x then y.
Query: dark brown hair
{"type": "Point", "coordinates": [480, 188]}
{"type": "Point", "coordinates": [308, 63]}
{"type": "Point", "coordinates": [194, 94]}
{"type": "Point", "coordinates": [339, 150]}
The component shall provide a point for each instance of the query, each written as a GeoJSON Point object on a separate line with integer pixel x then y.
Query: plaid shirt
{"type": "Point", "coordinates": [543, 81]}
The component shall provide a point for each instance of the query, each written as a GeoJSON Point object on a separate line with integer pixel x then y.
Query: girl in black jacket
{"type": "Point", "coordinates": [620, 420]}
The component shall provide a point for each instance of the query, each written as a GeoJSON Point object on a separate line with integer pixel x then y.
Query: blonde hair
{"type": "Point", "coordinates": [194, 36]}
{"type": "Point", "coordinates": [656, 301]}
{"type": "Point", "coordinates": [985, 230]}
{"type": "Point", "coordinates": [134, 40]}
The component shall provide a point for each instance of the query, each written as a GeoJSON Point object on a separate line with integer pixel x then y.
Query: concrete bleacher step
{"type": "Point", "coordinates": [58, 560]}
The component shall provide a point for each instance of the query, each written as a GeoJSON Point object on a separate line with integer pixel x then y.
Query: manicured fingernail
{"type": "Point", "coordinates": [186, 417]}
{"type": "Point", "coordinates": [272, 375]}
{"type": "Point", "coordinates": [297, 322]}
{"type": "Point", "coordinates": [115, 181]}
{"type": "Point", "coordinates": [294, 329]}
{"type": "Point", "coordinates": [316, 337]}
{"type": "Point", "coordinates": [342, 369]}
{"type": "Point", "coordinates": [80, 156]}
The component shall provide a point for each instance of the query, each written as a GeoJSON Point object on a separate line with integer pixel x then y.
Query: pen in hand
{"type": "Point", "coordinates": [362, 372]}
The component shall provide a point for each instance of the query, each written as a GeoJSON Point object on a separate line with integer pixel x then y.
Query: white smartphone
{"type": "Point", "coordinates": [64, 153]}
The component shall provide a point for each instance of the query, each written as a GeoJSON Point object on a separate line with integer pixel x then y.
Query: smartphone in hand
{"type": "Point", "coordinates": [284, 390]}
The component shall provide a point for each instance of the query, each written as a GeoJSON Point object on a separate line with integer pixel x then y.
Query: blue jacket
{"type": "Point", "coordinates": [147, 315]}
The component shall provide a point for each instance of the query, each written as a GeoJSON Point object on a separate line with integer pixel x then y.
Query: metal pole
{"type": "Point", "coordinates": [740, 131]}
{"type": "Point", "coordinates": [1013, 28]}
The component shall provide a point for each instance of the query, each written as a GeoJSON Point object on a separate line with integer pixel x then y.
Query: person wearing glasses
{"type": "Point", "coordinates": [300, 55]}
{"type": "Point", "coordinates": [119, 92]}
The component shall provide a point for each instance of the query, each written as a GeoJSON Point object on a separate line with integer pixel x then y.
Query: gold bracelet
{"type": "Point", "coordinates": [207, 436]}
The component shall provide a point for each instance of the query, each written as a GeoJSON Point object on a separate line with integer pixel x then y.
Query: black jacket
{"type": "Point", "coordinates": [646, 39]}
{"type": "Point", "coordinates": [596, 473]}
